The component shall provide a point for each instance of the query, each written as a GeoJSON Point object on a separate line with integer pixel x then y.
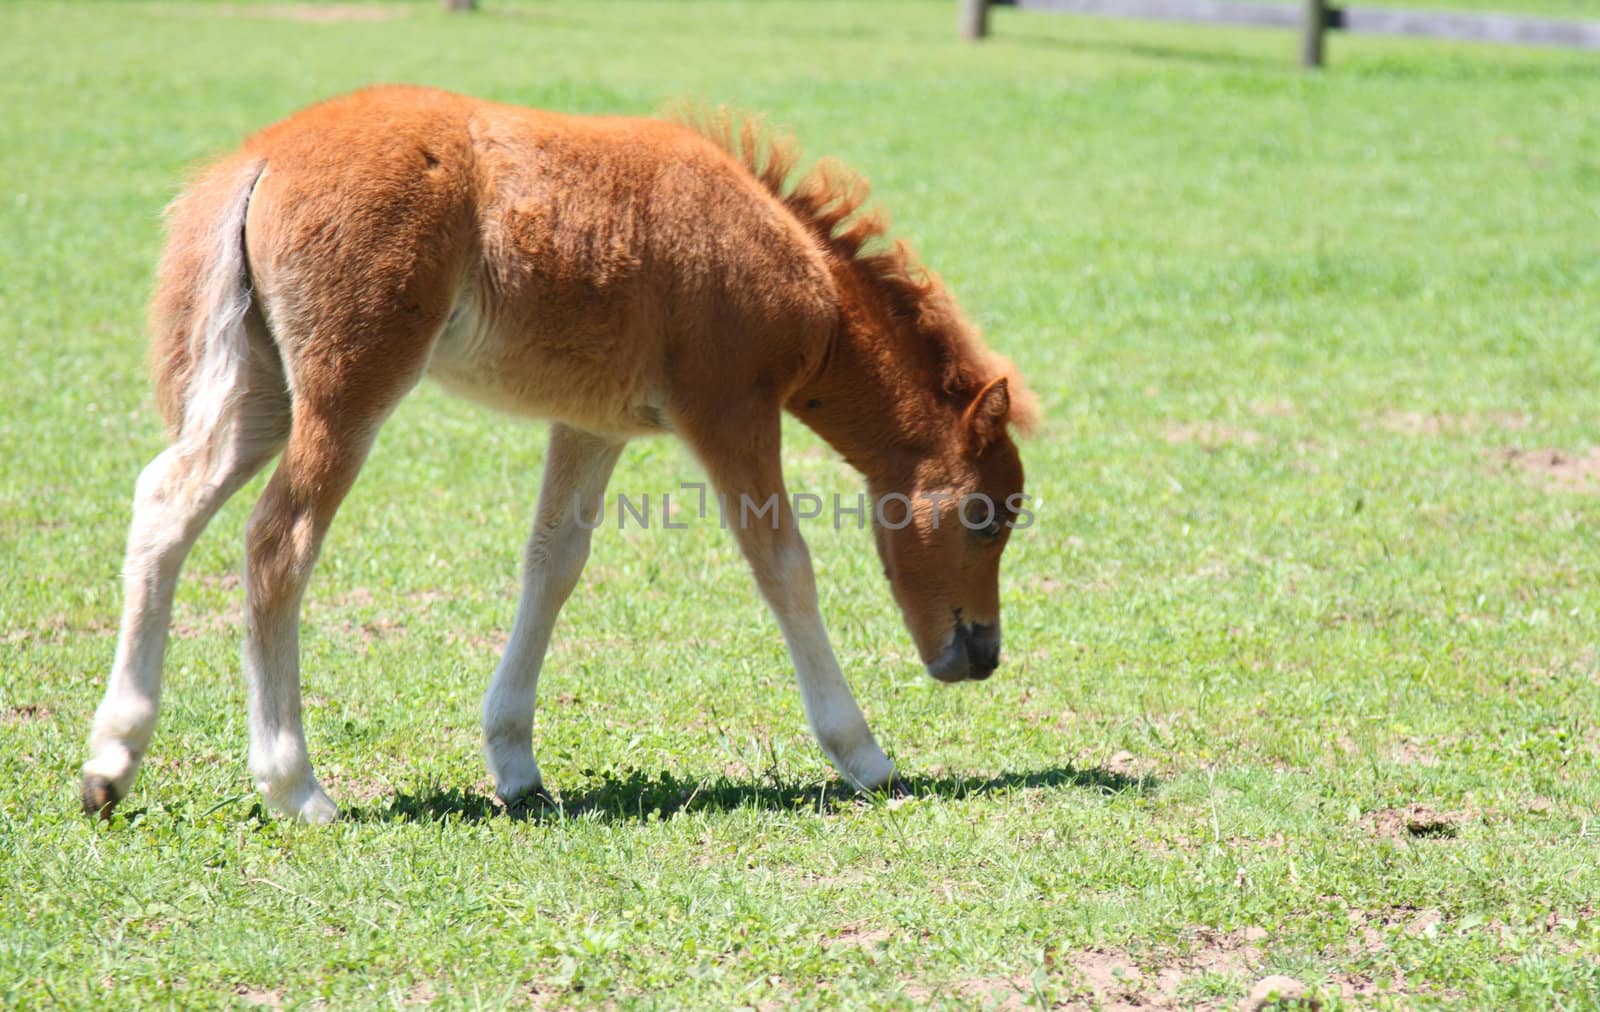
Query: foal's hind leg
{"type": "Point", "coordinates": [176, 496]}
{"type": "Point", "coordinates": [576, 470]}
{"type": "Point", "coordinates": [332, 431]}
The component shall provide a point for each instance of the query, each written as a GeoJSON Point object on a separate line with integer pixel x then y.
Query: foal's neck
{"type": "Point", "coordinates": [877, 400]}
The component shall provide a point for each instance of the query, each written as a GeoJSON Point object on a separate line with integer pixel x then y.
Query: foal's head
{"type": "Point", "coordinates": [941, 537]}
{"type": "Point", "coordinates": [945, 477]}
{"type": "Point", "coordinates": [947, 484]}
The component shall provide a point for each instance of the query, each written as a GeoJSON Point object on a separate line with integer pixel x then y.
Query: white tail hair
{"type": "Point", "coordinates": [218, 342]}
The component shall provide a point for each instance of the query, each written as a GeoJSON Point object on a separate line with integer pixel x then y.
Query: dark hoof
{"type": "Point", "coordinates": [894, 787]}
{"type": "Point", "coordinates": [99, 796]}
{"type": "Point", "coordinates": [530, 803]}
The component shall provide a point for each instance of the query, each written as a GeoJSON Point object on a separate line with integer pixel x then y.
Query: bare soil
{"type": "Point", "coordinates": [1412, 822]}
{"type": "Point", "coordinates": [1558, 470]}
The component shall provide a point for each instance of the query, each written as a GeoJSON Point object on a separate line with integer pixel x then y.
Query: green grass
{"type": "Point", "coordinates": [1285, 329]}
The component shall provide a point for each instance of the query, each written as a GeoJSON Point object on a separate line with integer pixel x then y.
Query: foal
{"type": "Point", "coordinates": [619, 277]}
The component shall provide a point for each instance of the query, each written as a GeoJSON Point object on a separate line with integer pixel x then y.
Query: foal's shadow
{"type": "Point", "coordinates": [639, 796]}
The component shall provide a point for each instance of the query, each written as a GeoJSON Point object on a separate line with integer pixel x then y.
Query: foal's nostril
{"type": "Point", "coordinates": [983, 650]}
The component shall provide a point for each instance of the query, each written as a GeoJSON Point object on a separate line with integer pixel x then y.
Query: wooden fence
{"type": "Point", "coordinates": [1313, 19]}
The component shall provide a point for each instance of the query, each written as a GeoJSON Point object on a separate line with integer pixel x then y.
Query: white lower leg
{"type": "Point", "coordinates": [508, 708]}
{"type": "Point", "coordinates": [555, 560]}
{"type": "Point", "coordinates": [167, 519]}
{"type": "Point", "coordinates": [281, 545]}
{"type": "Point", "coordinates": [833, 713]}
{"type": "Point", "coordinates": [831, 708]}
{"type": "Point", "coordinates": [279, 761]}
{"type": "Point", "coordinates": [126, 717]}
{"type": "Point", "coordinates": [576, 471]}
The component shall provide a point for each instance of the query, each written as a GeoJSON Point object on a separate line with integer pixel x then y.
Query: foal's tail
{"type": "Point", "coordinates": [200, 350]}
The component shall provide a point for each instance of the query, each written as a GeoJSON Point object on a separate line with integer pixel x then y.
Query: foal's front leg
{"type": "Point", "coordinates": [745, 466]}
{"type": "Point", "coordinates": [576, 470]}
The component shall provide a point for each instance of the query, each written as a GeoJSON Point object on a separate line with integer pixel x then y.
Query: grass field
{"type": "Point", "coordinates": [1301, 655]}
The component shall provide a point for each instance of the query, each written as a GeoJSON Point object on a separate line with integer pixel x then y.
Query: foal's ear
{"type": "Point", "coordinates": [985, 419]}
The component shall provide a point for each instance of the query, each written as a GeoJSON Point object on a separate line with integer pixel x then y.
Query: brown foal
{"type": "Point", "coordinates": [618, 277]}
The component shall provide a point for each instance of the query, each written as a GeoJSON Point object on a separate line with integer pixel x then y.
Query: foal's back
{"type": "Point", "coordinates": [607, 272]}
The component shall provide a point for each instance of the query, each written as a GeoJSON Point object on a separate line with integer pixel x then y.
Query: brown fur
{"type": "Point", "coordinates": [831, 201]}
{"type": "Point", "coordinates": [622, 276]}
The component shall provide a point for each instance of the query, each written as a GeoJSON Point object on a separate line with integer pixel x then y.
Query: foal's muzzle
{"type": "Point", "coordinates": [972, 653]}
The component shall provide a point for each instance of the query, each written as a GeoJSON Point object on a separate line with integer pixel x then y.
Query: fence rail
{"type": "Point", "coordinates": [1314, 18]}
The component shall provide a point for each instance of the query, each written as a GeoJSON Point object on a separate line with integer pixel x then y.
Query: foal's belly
{"type": "Point", "coordinates": [589, 377]}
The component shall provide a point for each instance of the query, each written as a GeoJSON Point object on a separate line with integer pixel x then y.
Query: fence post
{"type": "Point", "coordinates": [1312, 25]}
{"type": "Point", "coordinates": [974, 19]}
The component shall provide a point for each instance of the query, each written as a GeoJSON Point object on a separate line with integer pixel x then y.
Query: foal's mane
{"type": "Point", "coordinates": [830, 200]}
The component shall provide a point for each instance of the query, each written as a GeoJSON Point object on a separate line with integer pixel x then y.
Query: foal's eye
{"type": "Point", "coordinates": [991, 532]}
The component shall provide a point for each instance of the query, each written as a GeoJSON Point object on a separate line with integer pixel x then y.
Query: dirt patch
{"type": "Point", "coordinates": [1421, 423]}
{"type": "Point", "coordinates": [1126, 764]}
{"type": "Point", "coordinates": [1113, 979]}
{"type": "Point", "coordinates": [195, 621]}
{"type": "Point", "coordinates": [1557, 470]}
{"type": "Point", "coordinates": [493, 642]}
{"type": "Point", "coordinates": [999, 993]}
{"type": "Point", "coordinates": [373, 630]}
{"type": "Point", "coordinates": [421, 993]}
{"type": "Point", "coordinates": [320, 14]}
{"type": "Point", "coordinates": [1228, 954]}
{"type": "Point", "coordinates": [1121, 765]}
{"type": "Point", "coordinates": [1366, 934]}
{"type": "Point", "coordinates": [192, 622]}
{"type": "Point", "coordinates": [189, 622]}
{"type": "Point", "coordinates": [1211, 436]}
{"type": "Point", "coordinates": [27, 713]}
{"type": "Point", "coordinates": [429, 596]}
{"type": "Point", "coordinates": [216, 581]}
{"type": "Point", "coordinates": [1411, 753]}
{"type": "Point", "coordinates": [260, 996]}
{"type": "Point", "coordinates": [1413, 822]}
{"type": "Point", "coordinates": [858, 936]}
{"type": "Point", "coordinates": [57, 628]}
{"type": "Point", "coordinates": [1422, 922]}
{"type": "Point", "coordinates": [1110, 978]}
{"type": "Point", "coordinates": [355, 597]}
{"type": "Point", "coordinates": [543, 996]}
{"type": "Point", "coordinates": [1084, 584]}
{"type": "Point", "coordinates": [1278, 992]}
{"type": "Point", "coordinates": [847, 877]}
{"type": "Point", "coordinates": [361, 790]}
